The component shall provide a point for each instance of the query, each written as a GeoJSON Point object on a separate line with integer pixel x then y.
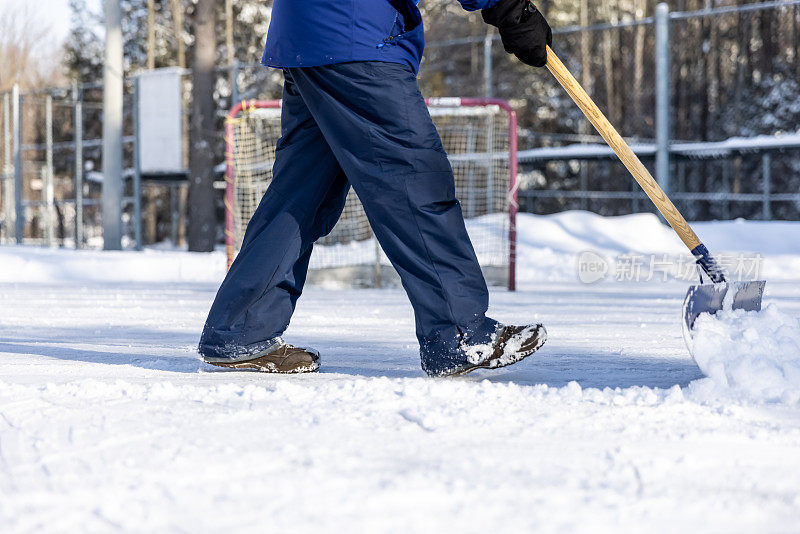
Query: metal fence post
{"type": "Point", "coordinates": [766, 186]}
{"type": "Point", "coordinates": [235, 83]}
{"type": "Point", "coordinates": [726, 186]}
{"type": "Point", "coordinates": [113, 90]}
{"type": "Point", "coordinates": [469, 207]}
{"type": "Point", "coordinates": [662, 96]}
{"type": "Point", "coordinates": [48, 188]}
{"type": "Point", "coordinates": [77, 96]}
{"type": "Point", "coordinates": [137, 170]}
{"type": "Point", "coordinates": [584, 177]}
{"type": "Point", "coordinates": [8, 187]}
{"type": "Point", "coordinates": [44, 208]}
{"type": "Point", "coordinates": [488, 65]}
{"type": "Point", "coordinates": [174, 214]}
{"type": "Point", "coordinates": [490, 198]}
{"type": "Point", "coordinates": [16, 114]}
{"type": "Point", "coordinates": [378, 268]}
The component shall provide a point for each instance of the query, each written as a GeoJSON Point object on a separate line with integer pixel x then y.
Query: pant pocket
{"type": "Point", "coordinates": [432, 192]}
{"type": "Point", "coordinates": [413, 150]}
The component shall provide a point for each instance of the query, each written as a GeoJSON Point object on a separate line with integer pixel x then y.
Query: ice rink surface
{"type": "Point", "coordinates": [109, 421]}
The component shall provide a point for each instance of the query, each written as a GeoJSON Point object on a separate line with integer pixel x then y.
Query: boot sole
{"type": "Point", "coordinates": [267, 367]}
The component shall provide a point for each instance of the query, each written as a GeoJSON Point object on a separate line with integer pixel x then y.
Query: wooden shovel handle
{"type": "Point", "coordinates": [621, 148]}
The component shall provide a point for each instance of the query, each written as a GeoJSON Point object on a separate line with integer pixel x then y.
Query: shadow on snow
{"type": "Point", "coordinates": [174, 352]}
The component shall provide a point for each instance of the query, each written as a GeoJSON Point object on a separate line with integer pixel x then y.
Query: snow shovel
{"type": "Point", "coordinates": [706, 297]}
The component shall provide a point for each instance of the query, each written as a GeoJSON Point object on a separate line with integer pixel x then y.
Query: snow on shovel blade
{"type": "Point", "coordinates": [711, 298]}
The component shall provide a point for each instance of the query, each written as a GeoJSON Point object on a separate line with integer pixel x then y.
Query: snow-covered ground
{"type": "Point", "coordinates": [109, 421]}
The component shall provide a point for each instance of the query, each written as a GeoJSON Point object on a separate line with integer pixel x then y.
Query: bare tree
{"type": "Point", "coordinates": [25, 52]}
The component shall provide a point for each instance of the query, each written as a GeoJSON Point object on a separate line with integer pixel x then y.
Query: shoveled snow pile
{"type": "Point", "coordinates": [752, 353]}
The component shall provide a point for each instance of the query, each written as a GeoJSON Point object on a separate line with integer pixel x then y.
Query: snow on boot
{"type": "Point", "coordinates": [510, 345]}
{"type": "Point", "coordinates": [285, 359]}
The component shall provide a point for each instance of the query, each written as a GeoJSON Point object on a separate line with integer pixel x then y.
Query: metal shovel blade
{"type": "Point", "coordinates": [709, 298]}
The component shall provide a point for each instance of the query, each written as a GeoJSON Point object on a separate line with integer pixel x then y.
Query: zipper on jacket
{"type": "Point", "coordinates": [392, 38]}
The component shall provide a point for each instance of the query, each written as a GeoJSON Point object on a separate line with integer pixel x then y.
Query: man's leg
{"type": "Point", "coordinates": [305, 199]}
{"type": "Point", "coordinates": [377, 124]}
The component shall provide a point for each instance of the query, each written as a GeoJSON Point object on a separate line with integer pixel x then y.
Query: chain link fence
{"type": "Point", "coordinates": [733, 73]}
{"type": "Point", "coordinates": [732, 97]}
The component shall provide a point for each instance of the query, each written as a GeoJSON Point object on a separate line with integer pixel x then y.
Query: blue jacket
{"type": "Point", "coordinates": [308, 33]}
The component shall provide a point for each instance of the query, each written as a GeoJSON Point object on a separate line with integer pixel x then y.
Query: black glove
{"type": "Point", "coordinates": [524, 31]}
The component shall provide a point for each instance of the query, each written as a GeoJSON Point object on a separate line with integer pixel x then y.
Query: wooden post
{"type": "Point", "coordinates": [230, 48]}
{"type": "Point", "coordinates": [151, 34]}
{"type": "Point", "coordinates": [177, 21]}
{"type": "Point", "coordinates": [201, 229]}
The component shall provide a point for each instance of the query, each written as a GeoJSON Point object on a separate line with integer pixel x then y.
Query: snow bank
{"type": "Point", "coordinates": [756, 354]}
{"type": "Point", "coordinates": [764, 237]}
{"type": "Point", "coordinates": [577, 231]}
{"type": "Point", "coordinates": [550, 245]}
{"type": "Point", "coordinates": [548, 248]}
{"type": "Point", "coordinates": [50, 265]}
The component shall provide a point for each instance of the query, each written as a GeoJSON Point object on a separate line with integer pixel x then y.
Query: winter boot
{"type": "Point", "coordinates": [285, 359]}
{"type": "Point", "coordinates": [509, 345]}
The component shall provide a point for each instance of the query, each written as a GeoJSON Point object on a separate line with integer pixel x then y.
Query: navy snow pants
{"type": "Point", "coordinates": [365, 125]}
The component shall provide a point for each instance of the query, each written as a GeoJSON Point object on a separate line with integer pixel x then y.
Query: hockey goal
{"type": "Point", "coordinates": [480, 137]}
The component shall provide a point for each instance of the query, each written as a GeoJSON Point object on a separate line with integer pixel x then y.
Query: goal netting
{"type": "Point", "coordinates": [479, 136]}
